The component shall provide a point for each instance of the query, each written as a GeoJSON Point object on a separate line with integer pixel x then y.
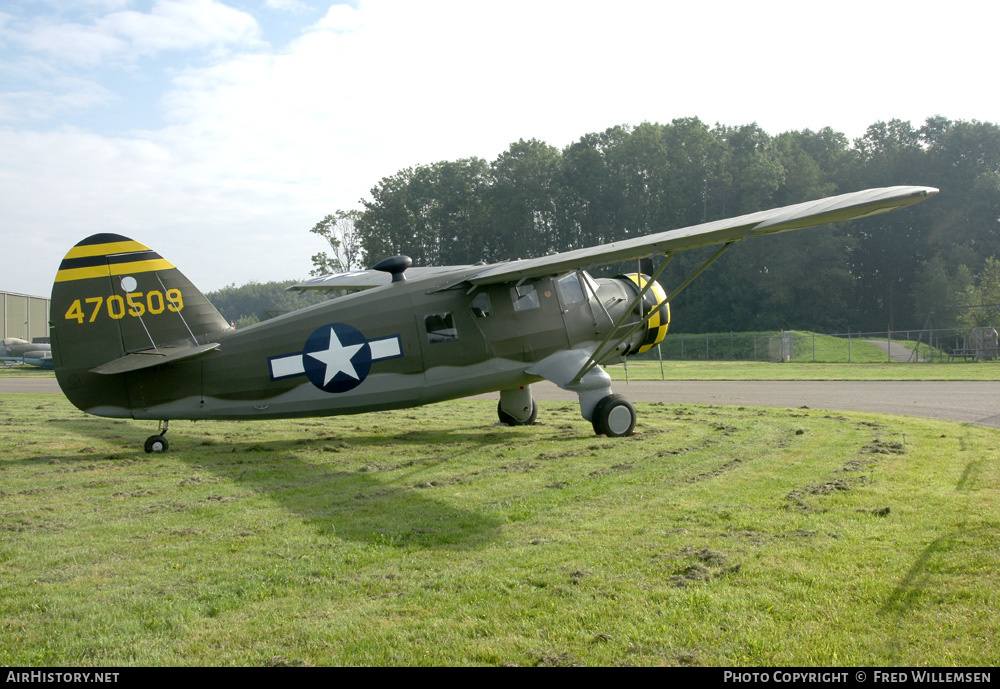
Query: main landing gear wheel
{"type": "Point", "coordinates": [156, 443]}
{"type": "Point", "coordinates": [511, 421]}
{"type": "Point", "coordinates": [614, 416]}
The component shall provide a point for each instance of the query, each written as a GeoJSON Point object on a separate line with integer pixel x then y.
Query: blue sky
{"type": "Point", "coordinates": [219, 131]}
{"type": "Point", "coordinates": [103, 64]}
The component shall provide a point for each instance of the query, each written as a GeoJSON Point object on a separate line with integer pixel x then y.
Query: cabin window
{"type": "Point", "coordinates": [571, 290]}
{"type": "Point", "coordinates": [481, 307]}
{"type": "Point", "coordinates": [440, 327]}
{"type": "Point", "coordinates": [525, 297]}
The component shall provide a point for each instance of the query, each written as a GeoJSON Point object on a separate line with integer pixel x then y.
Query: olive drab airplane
{"type": "Point", "coordinates": [23, 352]}
{"type": "Point", "coordinates": [133, 338]}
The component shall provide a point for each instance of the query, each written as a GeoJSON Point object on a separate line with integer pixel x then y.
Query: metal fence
{"type": "Point", "coordinates": [910, 346]}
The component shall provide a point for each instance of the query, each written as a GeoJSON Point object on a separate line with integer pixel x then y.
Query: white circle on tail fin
{"type": "Point", "coordinates": [129, 284]}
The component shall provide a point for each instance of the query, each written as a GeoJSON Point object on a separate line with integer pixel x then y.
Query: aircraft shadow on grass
{"type": "Point", "coordinates": [383, 502]}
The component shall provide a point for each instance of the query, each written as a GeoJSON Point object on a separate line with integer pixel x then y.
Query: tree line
{"type": "Point", "coordinates": [886, 271]}
{"type": "Point", "coordinates": [259, 301]}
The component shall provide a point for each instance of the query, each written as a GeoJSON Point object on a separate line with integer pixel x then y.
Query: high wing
{"type": "Point", "coordinates": [858, 204]}
{"type": "Point", "coordinates": [369, 279]}
{"type": "Point", "coordinates": [850, 206]}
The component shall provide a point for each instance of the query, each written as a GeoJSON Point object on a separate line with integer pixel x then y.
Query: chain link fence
{"type": "Point", "coordinates": [910, 346]}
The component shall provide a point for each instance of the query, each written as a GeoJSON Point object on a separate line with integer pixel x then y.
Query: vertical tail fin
{"type": "Point", "coordinates": [114, 296]}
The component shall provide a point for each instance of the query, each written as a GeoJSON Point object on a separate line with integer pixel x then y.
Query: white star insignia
{"type": "Point", "coordinates": [337, 358]}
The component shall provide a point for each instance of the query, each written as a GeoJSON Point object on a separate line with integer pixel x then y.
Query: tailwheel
{"type": "Point", "coordinates": [506, 418]}
{"type": "Point", "coordinates": [614, 416]}
{"type": "Point", "coordinates": [157, 443]}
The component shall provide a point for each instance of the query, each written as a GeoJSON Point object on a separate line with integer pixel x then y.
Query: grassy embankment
{"type": "Point", "coordinates": [835, 359]}
{"type": "Point", "coordinates": [715, 536]}
{"type": "Point", "coordinates": [756, 370]}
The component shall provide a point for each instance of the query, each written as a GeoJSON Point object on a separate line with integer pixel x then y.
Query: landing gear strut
{"type": "Point", "coordinates": [516, 407]}
{"type": "Point", "coordinates": [511, 421]}
{"type": "Point", "coordinates": [157, 443]}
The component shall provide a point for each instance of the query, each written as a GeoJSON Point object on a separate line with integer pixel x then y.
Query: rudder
{"type": "Point", "coordinates": [114, 296]}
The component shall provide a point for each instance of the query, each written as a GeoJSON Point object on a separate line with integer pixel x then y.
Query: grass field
{"type": "Point", "coordinates": [714, 536]}
{"type": "Point", "coordinates": [750, 346]}
{"type": "Point", "coordinates": [808, 347]}
{"type": "Point", "coordinates": [21, 371]}
{"type": "Point", "coordinates": [746, 370]}
{"type": "Point", "coordinates": [758, 370]}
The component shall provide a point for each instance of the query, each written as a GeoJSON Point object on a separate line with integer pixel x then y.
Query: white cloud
{"type": "Point", "coordinates": [75, 43]}
{"type": "Point", "coordinates": [218, 225]}
{"type": "Point", "coordinates": [260, 145]}
{"type": "Point", "coordinates": [182, 25]}
{"type": "Point", "coordinates": [69, 95]}
{"type": "Point", "coordinates": [286, 5]}
{"type": "Point", "coordinates": [105, 5]}
{"type": "Point", "coordinates": [340, 18]}
{"type": "Point", "coordinates": [170, 25]}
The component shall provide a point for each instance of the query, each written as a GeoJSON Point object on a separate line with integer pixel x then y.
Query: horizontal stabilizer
{"type": "Point", "coordinates": [152, 357]}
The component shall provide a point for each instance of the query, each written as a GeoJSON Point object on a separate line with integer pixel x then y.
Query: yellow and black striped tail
{"type": "Point", "coordinates": [114, 296]}
{"type": "Point", "coordinates": [104, 255]}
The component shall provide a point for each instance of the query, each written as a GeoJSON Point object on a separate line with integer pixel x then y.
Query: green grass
{"type": "Point", "coordinates": [757, 370]}
{"type": "Point", "coordinates": [754, 346]}
{"type": "Point", "coordinates": [808, 348]}
{"type": "Point", "coordinates": [23, 371]}
{"type": "Point", "coordinates": [924, 350]}
{"type": "Point", "coordinates": [836, 350]}
{"type": "Point", "coordinates": [715, 536]}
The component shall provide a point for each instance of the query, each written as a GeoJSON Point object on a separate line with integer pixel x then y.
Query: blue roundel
{"type": "Point", "coordinates": [337, 358]}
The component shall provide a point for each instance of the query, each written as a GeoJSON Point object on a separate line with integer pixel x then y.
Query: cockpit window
{"type": "Point", "coordinates": [525, 297]}
{"type": "Point", "coordinates": [440, 328]}
{"type": "Point", "coordinates": [571, 289]}
{"type": "Point", "coordinates": [481, 307]}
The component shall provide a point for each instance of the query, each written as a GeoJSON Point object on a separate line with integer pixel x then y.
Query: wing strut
{"type": "Point", "coordinates": [602, 349]}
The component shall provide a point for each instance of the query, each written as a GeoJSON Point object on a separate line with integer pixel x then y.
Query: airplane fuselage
{"type": "Point", "coordinates": [402, 345]}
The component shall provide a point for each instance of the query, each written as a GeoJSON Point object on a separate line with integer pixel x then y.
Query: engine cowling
{"type": "Point", "coordinates": [656, 327]}
{"type": "Point", "coordinates": [618, 293]}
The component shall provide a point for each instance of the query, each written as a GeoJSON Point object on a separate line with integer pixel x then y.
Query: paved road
{"type": "Point", "coordinates": [974, 402]}
{"type": "Point", "coordinates": [897, 351]}
{"type": "Point", "coordinates": [39, 385]}
{"type": "Point", "coordinates": [970, 401]}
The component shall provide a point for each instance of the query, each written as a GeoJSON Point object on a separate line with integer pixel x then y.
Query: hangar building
{"type": "Point", "coordinates": [24, 316]}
